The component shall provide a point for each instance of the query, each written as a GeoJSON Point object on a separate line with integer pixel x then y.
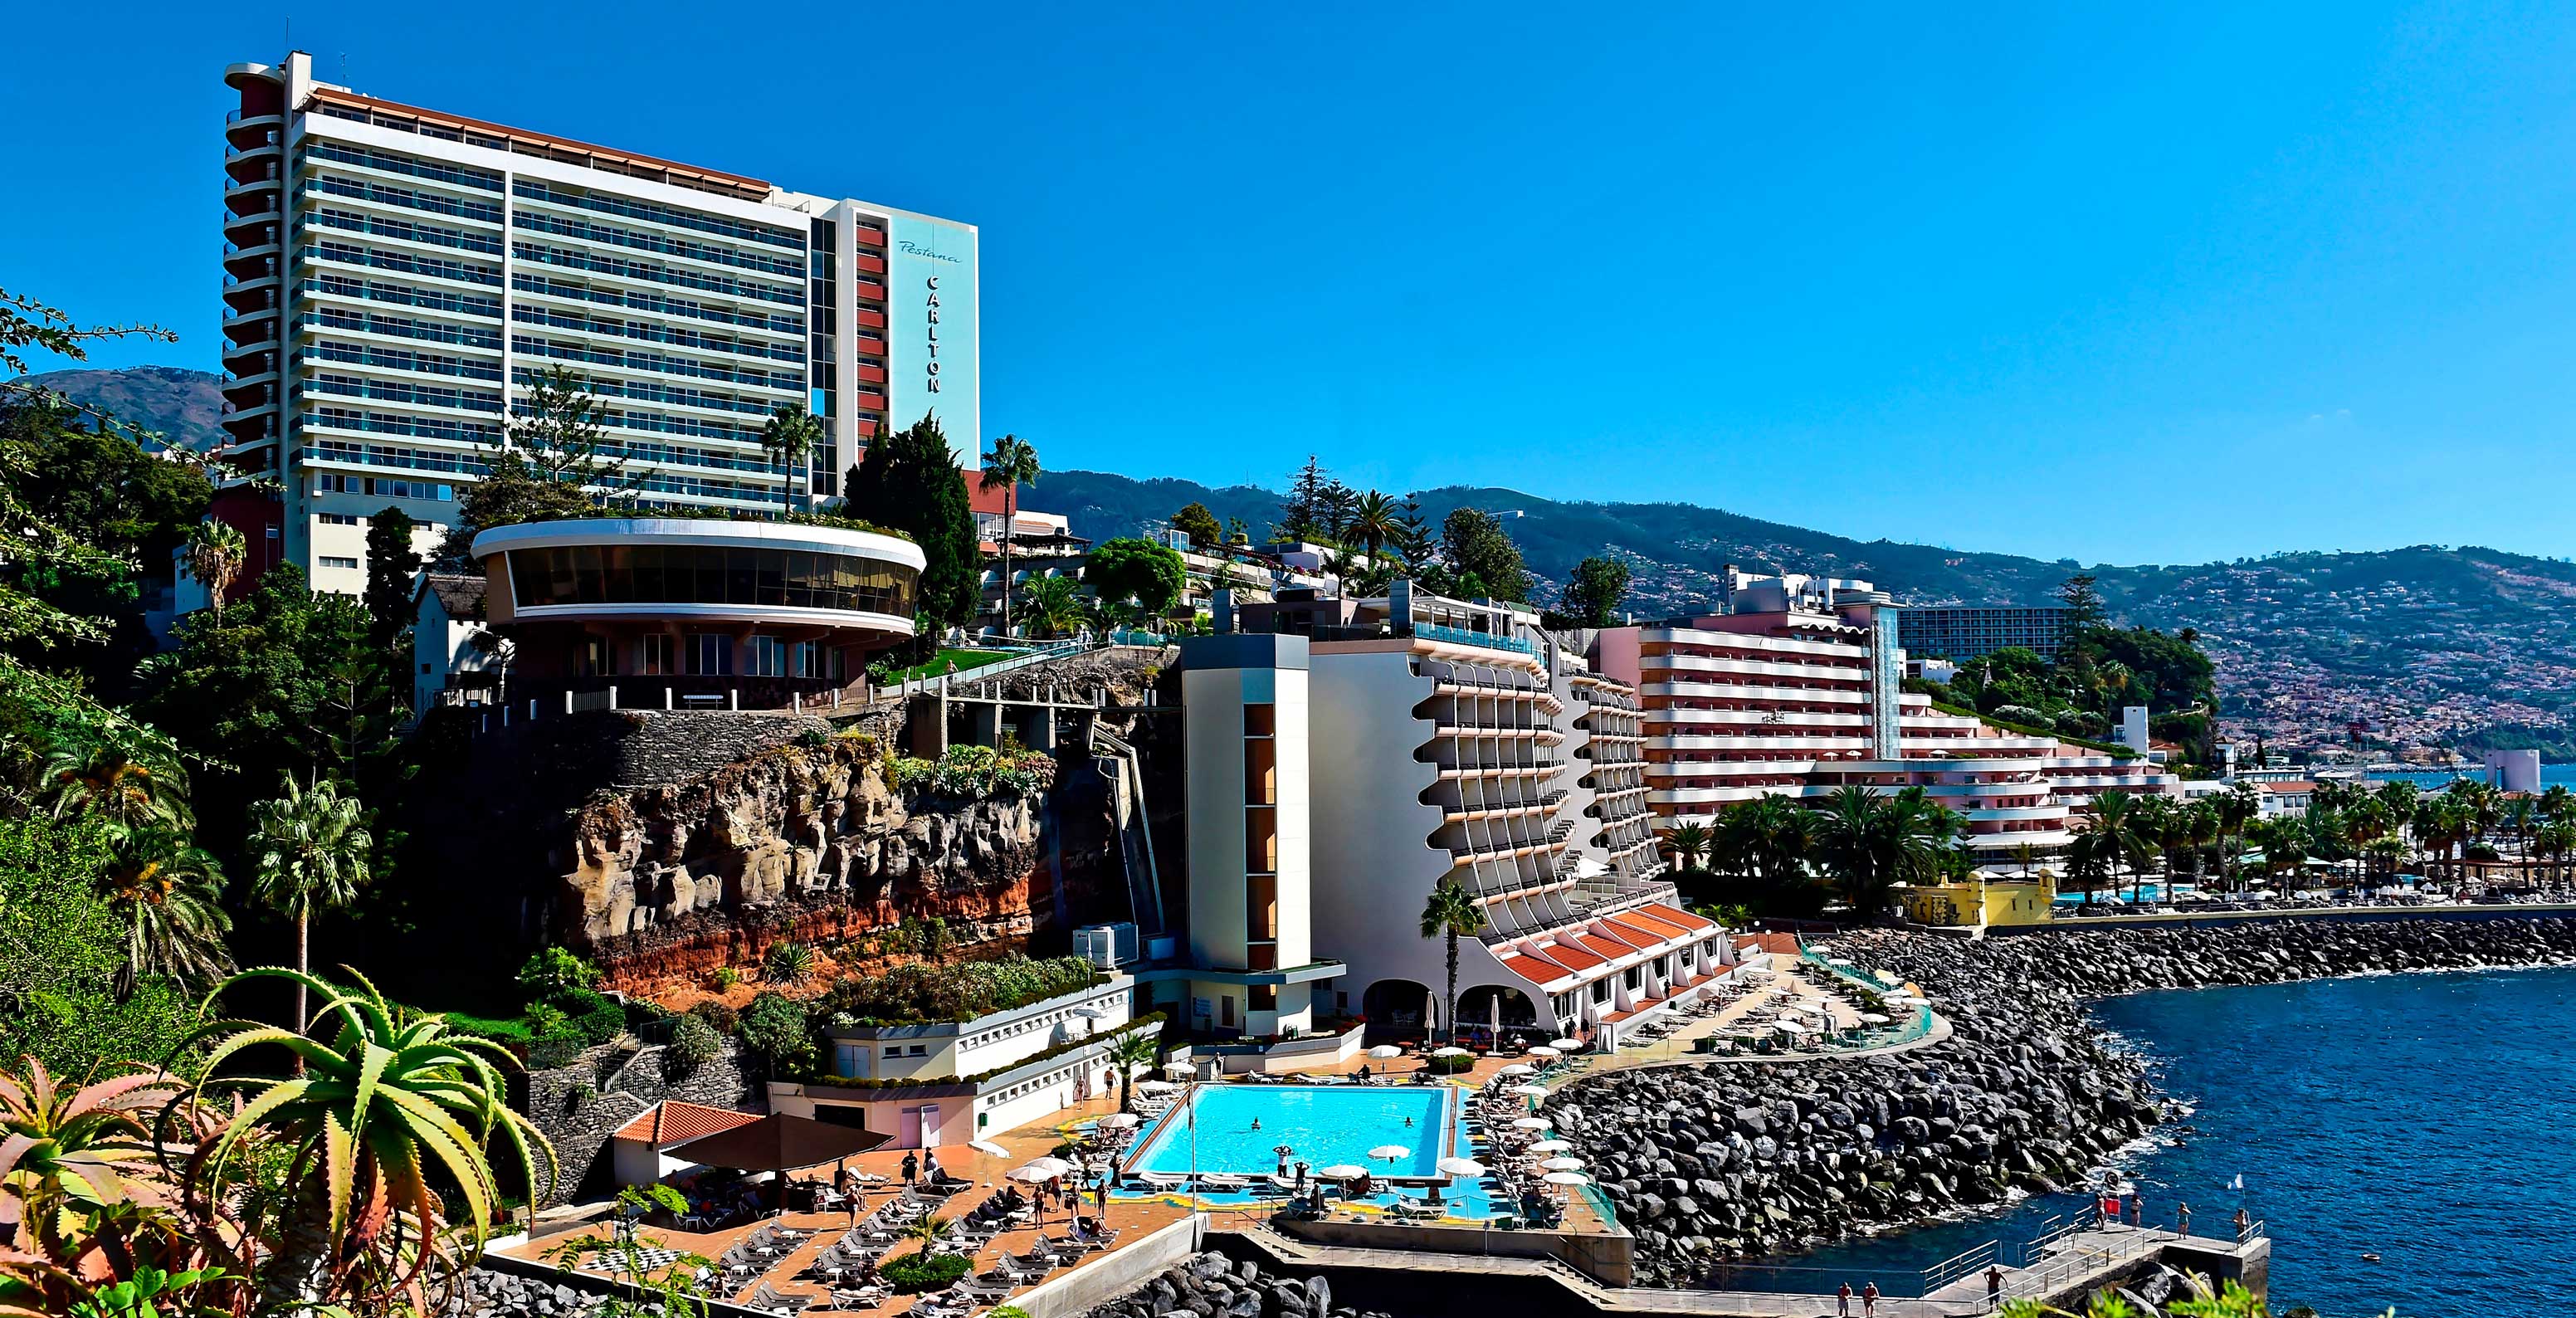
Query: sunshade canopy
{"type": "Point", "coordinates": [777, 1143]}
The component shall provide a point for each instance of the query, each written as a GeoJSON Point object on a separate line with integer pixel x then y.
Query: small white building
{"type": "Point", "coordinates": [447, 615]}
{"type": "Point", "coordinates": [931, 1083]}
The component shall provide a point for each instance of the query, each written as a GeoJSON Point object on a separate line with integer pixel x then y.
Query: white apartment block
{"type": "Point", "coordinates": [1795, 691]}
{"type": "Point", "coordinates": [395, 277]}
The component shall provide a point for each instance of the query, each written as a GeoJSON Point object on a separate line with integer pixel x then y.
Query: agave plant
{"type": "Point", "coordinates": [383, 1096]}
{"type": "Point", "coordinates": [789, 963]}
{"type": "Point", "coordinates": [80, 1180]}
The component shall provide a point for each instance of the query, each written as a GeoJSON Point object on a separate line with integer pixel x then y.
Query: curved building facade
{"type": "Point", "coordinates": [696, 606]}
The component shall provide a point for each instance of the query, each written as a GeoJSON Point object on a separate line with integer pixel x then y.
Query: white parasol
{"type": "Point", "coordinates": [1531, 1123]}
{"type": "Point", "coordinates": [1562, 1165]}
{"type": "Point", "coordinates": [1342, 1171]}
{"type": "Point", "coordinates": [1529, 1091]}
{"type": "Point", "coordinates": [1462, 1167]}
{"type": "Point", "coordinates": [1385, 1050]}
{"type": "Point", "coordinates": [1118, 1121]}
{"type": "Point", "coordinates": [1390, 1152]}
{"type": "Point", "coordinates": [1566, 1045]}
{"type": "Point", "coordinates": [1155, 1086]}
{"type": "Point", "coordinates": [1451, 1051]}
{"type": "Point", "coordinates": [1550, 1146]}
{"type": "Point", "coordinates": [1549, 1053]}
{"type": "Point", "coordinates": [1566, 1178]}
{"type": "Point", "coordinates": [1518, 1068]}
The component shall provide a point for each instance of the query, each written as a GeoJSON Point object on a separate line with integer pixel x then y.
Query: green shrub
{"type": "Point", "coordinates": [725, 977]}
{"type": "Point", "coordinates": [915, 993]}
{"type": "Point", "coordinates": [694, 1043]}
{"type": "Point", "coordinates": [553, 1049]}
{"type": "Point", "coordinates": [723, 1019]}
{"type": "Point", "coordinates": [553, 972]}
{"type": "Point", "coordinates": [774, 1028]}
{"type": "Point", "coordinates": [1447, 1065]}
{"type": "Point", "coordinates": [975, 773]}
{"type": "Point", "coordinates": [914, 1273]}
{"type": "Point", "coordinates": [813, 738]}
{"type": "Point", "coordinates": [480, 1027]}
{"type": "Point", "coordinates": [595, 1017]}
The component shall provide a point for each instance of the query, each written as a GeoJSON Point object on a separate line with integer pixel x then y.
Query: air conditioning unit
{"type": "Point", "coordinates": [1107, 946]}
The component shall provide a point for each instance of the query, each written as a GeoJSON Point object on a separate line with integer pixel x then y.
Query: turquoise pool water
{"type": "Point", "coordinates": [1324, 1124]}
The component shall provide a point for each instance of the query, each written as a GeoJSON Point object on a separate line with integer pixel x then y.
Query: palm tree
{"type": "Point", "coordinates": [107, 779]}
{"type": "Point", "coordinates": [2522, 815]}
{"type": "Point", "coordinates": [312, 847]}
{"type": "Point", "coordinates": [929, 1231]}
{"type": "Point", "coordinates": [2237, 809]}
{"type": "Point", "coordinates": [2117, 819]}
{"type": "Point", "coordinates": [1376, 521]}
{"type": "Point", "coordinates": [1134, 1049]}
{"type": "Point", "coordinates": [1012, 464]}
{"type": "Point", "coordinates": [790, 432]}
{"type": "Point", "coordinates": [2088, 862]}
{"type": "Point", "coordinates": [1055, 603]}
{"type": "Point", "coordinates": [1449, 913]}
{"type": "Point", "coordinates": [1688, 842]}
{"type": "Point", "coordinates": [1871, 843]}
{"type": "Point", "coordinates": [169, 892]}
{"type": "Point", "coordinates": [216, 555]}
{"type": "Point", "coordinates": [369, 1112]}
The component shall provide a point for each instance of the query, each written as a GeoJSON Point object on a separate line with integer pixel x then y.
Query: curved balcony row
{"type": "Point", "coordinates": [1700, 638]}
{"type": "Point", "coordinates": [1691, 663]}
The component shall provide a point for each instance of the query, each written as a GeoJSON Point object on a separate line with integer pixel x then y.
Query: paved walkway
{"type": "Point", "coordinates": [1779, 988]}
{"type": "Point", "coordinates": [2073, 1264]}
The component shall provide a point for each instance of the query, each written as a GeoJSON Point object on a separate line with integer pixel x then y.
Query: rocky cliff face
{"type": "Point", "coordinates": [796, 842]}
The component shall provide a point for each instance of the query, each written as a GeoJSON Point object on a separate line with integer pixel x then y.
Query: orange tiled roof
{"type": "Point", "coordinates": [1604, 948]}
{"type": "Point", "coordinates": [675, 1122]}
{"type": "Point", "coordinates": [1694, 923]}
{"type": "Point", "coordinates": [1661, 928]}
{"type": "Point", "coordinates": [1572, 956]}
{"type": "Point", "coordinates": [1628, 922]}
{"type": "Point", "coordinates": [1534, 970]}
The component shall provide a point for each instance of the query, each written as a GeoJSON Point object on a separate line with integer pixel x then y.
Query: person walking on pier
{"type": "Point", "coordinates": [1994, 1287]}
{"type": "Point", "coordinates": [2182, 1218]}
{"type": "Point", "coordinates": [2137, 1208]}
{"type": "Point", "coordinates": [1869, 1300]}
{"type": "Point", "coordinates": [1842, 1301]}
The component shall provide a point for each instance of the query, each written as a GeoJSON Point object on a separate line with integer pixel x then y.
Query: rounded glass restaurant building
{"type": "Point", "coordinates": [754, 609]}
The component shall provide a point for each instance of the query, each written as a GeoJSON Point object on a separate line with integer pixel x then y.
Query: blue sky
{"type": "Point", "coordinates": [2155, 284]}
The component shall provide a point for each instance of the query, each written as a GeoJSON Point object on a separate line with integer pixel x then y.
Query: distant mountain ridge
{"type": "Point", "coordinates": [2425, 645]}
{"type": "Point", "coordinates": [185, 407]}
{"type": "Point", "coordinates": [2467, 647]}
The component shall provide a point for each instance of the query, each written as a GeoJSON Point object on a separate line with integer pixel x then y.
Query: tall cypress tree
{"type": "Point", "coordinates": [910, 481]}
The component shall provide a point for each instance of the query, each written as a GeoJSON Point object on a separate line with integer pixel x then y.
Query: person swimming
{"type": "Point", "coordinates": [1256, 1123]}
{"type": "Point", "coordinates": [1408, 1121]}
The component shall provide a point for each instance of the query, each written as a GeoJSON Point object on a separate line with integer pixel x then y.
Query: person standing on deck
{"type": "Point", "coordinates": [2182, 1218]}
{"type": "Point", "coordinates": [1842, 1301]}
{"type": "Point", "coordinates": [1869, 1300]}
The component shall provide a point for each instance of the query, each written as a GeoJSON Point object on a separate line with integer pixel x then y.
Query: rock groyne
{"type": "Point", "coordinates": [1732, 1161]}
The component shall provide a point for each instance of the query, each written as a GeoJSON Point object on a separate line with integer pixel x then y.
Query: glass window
{"type": "Point", "coordinates": [711, 654]}
{"type": "Point", "coordinates": [742, 576]}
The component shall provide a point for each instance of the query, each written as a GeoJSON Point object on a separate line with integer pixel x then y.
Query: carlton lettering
{"type": "Point", "coordinates": [930, 378]}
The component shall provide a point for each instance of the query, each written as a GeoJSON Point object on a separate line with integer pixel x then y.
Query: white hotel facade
{"type": "Point", "coordinates": [1389, 744]}
{"type": "Point", "coordinates": [395, 277]}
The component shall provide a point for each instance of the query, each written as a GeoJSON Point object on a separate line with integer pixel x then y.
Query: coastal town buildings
{"type": "Point", "coordinates": [396, 279]}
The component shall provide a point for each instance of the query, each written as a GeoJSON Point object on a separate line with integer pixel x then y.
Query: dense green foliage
{"type": "Point", "coordinates": [1195, 521]}
{"type": "Point", "coordinates": [911, 1274]}
{"type": "Point", "coordinates": [1477, 560]}
{"type": "Point", "coordinates": [909, 480]}
{"type": "Point", "coordinates": [911, 994]}
{"type": "Point", "coordinates": [61, 948]}
{"type": "Point", "coordinates": [1592, 595]}
{"type": "Point", "coordinates": [974, 773]}
{"type": "Point", "coordinates": [392, 564]}
{"type": "Point", "coordinates": [1775, 857]}
{"type": "Point", "coordinates": [1128, 569]}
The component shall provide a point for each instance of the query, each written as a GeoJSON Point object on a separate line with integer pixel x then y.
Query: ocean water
{"type": "Point", "coordinates": [2424, 1118]}
{"type": "Point", "coordinates": [2551, 775]}
{"type": "Point", "coordinates": [1323, 1125]}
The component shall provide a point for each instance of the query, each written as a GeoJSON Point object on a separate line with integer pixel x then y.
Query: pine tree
{"type": "Point", "coordinates": [910, 481]}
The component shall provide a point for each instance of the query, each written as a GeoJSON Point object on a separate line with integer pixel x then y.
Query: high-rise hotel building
{"type": "Point", "coordinates": [395, 278]}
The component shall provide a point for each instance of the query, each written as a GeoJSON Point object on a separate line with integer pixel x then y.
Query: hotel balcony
{"type": "Point", "coordinates": [1651, 665]}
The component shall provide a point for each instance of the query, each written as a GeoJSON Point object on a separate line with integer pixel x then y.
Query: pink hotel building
{"type": "Point", "coordinates": [1794, 691]}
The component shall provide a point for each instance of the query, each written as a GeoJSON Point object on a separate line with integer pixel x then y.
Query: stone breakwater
{"type": "Point", "coordinates": [1210, 1285]}
{"type": "Point", "coordinates": [1730, 1161]}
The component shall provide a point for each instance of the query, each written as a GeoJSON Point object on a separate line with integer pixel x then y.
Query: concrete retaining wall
{"type": "Point", "coordinates": [1106, 1278]}
{"type": "Point", "coordinates": [1611, 1260]}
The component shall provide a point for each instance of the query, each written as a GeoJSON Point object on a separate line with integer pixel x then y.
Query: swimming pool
{"type": "Point", "coordinates": [1323, 1125]}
